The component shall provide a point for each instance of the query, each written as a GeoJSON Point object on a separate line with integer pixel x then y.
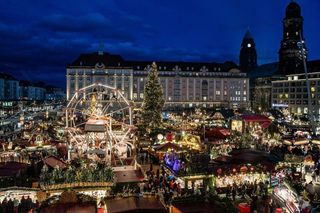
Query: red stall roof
{"type": "Point", "coordinates": [263, 120]}
{"type": "Point", "coordinates": [255, 118]}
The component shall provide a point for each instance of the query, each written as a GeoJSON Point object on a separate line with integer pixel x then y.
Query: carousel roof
{"type": "Point", "coordinates": [95, 125]}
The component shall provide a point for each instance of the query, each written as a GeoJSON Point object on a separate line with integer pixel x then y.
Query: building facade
{"type": "Point", "coordinates": [32, 92]}
{"type": "Point", "coordinates": [186, 84]}
{"type": "Point", "coordinates": [9, 87]}
{"type": "Point", "coordinates": [292, 92]}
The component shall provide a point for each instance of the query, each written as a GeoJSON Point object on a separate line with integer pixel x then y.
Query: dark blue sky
{"type": "Point", "coordinates": [39, 38]}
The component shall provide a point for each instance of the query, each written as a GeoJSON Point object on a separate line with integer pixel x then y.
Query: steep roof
{"type": "Point", "coordinates": [92, 59]}
{"type": "Point", "coordinates": [293, 10]}
{"type": "Point", "coordinates": [248, 35]}
{"type": "Point", "coordinates": [109, 60]}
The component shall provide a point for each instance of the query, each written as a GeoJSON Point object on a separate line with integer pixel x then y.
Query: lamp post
{"type": "Point", "coordinates": [310, 106]}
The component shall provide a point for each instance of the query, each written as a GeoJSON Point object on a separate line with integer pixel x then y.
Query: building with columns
{"type": "Point", "coordinates": [187, 84]}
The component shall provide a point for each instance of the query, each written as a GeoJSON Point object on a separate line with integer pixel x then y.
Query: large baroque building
{"type": "Point", "coordinates": [186, 84]}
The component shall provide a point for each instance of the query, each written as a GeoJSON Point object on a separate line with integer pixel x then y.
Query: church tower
{"type": "Point", "coordinates": [290, 58]}
{"type": "Point", "coordinates": [248, 53]}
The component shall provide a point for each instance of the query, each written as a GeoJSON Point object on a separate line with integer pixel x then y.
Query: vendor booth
{"type": "Point", "coordinates": [288, 197]}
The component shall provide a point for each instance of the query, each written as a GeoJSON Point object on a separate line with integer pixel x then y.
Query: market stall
{"type": "Point", "coordinates": [241, 178]}
{"type": "Point", "coordinates": [288, 197]}
{"type": "Point", "coordinates": [18, 193]}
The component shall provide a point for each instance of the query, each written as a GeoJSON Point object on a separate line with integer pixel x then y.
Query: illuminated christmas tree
{"type": "Point", "coordinates": [153, 99]}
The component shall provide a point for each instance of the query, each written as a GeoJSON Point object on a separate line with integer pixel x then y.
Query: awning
{"type": "Point", "coordinates": [261, 119]}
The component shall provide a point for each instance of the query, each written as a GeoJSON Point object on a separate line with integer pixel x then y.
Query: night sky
{"type": "Point", "coordinates": [39, 38]}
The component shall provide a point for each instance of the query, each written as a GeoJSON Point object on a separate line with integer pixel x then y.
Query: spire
{"type": "Point", "coordinates": [248, 53]}
{"type": "Point", "coordinates": [101, 47]}
{"type": "Point", "coordinates": [248, 35]}
{"type": "Point", "coordinates": [293, 10]}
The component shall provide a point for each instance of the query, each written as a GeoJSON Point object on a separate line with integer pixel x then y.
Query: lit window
{"type": "Point", "coordinates": [249, 45]}
{"type": "Point", "coordinates": [217, 92]}
{"type": "Point", "coordinates": [295, 78]}
{"type": "Point", "coordinates": [141, 95]}
{"type": "Point", "coordinates": [313, 89]}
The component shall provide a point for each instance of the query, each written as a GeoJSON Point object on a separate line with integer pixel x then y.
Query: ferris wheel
{"type": "Point", "coordinates": [99, 123]}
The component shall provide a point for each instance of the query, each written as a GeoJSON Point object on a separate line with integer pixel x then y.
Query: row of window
{"type": "Point", "coordinates": [295, 84]}
{"type": "Point", "coordinates": [296, 102]}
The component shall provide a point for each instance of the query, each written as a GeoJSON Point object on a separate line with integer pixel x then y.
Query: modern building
{"type": "Point", "coordinates": [248, 53]}
{"type": "Point", "coordinates": [31, 91]}
{"type": "Point", "coordinates": [9, 87]}
{"type": "Point", "coordinates": [292, 92]}
{"type": "Point", "coordinates": [186, 84]}
{"type": "Point", "coordinates": [1, 88]}
{"type": "Point", "coordinates": [54, 94]}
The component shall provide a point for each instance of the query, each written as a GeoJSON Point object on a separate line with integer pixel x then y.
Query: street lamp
{"type": "Point", "coordinates": [310, 107]}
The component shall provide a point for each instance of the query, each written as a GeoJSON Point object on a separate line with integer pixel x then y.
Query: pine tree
{"type": "Point", "coordinates": [153, 100]}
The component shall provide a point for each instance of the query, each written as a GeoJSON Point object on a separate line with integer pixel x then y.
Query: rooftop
{"type": "Point", "coordinates": [99, 60]}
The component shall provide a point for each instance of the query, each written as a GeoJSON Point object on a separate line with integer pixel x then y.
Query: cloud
{"type": "Point", "coordinates": [69, 23]}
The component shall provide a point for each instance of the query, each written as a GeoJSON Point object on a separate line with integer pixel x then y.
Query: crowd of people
{"type": "Point", "coordinates": [24, 205]}
{"type": "Point", "coordinates": [162, 185]}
